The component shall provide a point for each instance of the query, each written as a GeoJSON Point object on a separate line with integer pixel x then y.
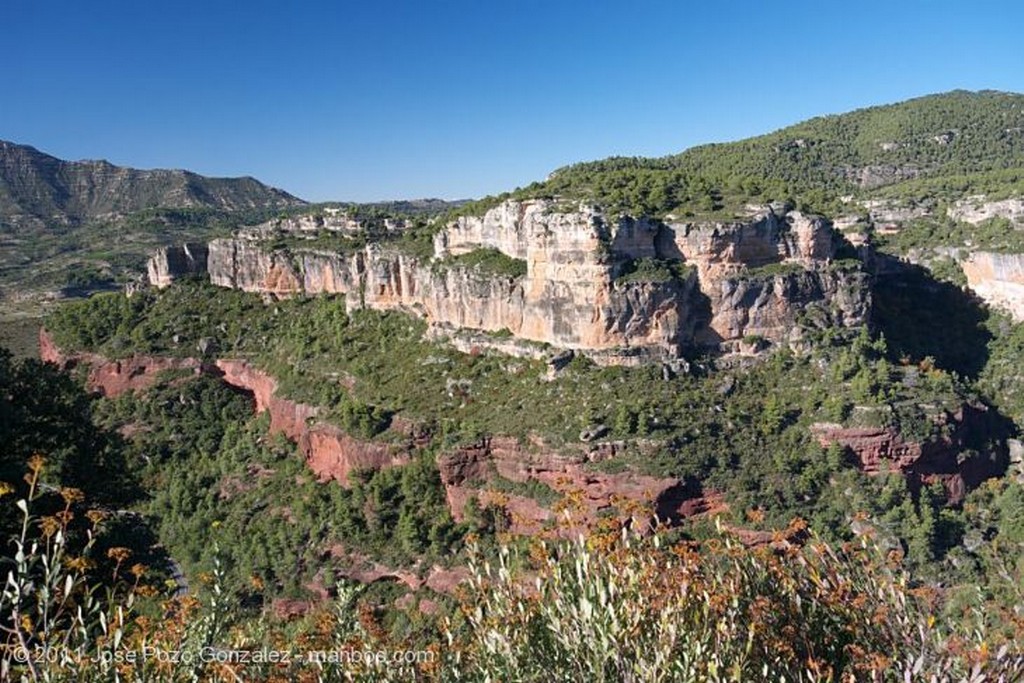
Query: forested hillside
{"type": "Point", "coordinates": [960, 140]}
{"type": "Point", "coordinates": [320, 433]}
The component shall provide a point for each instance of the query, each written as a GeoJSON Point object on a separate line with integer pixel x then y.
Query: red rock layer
{"type": "Point", "coordinates": [588, 493]}
{"type": "Point", "coordinates": [882, 449]}
{"type": "Point", "coordinates": [329, 451]}
{"type": "Point", "coordinates": [112, 378]}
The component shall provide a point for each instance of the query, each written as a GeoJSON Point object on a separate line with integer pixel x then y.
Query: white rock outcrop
{"type": "Point", "coordinates": [570, 295]}
{"type": "Point", "coordinates": [998, 279]}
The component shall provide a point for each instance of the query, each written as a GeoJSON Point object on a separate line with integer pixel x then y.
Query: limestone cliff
{"type": "Point", "coordinates": [246, 265]}
{"type": "Point", "coordinates": [979, 208]}
{"type": "Point", "coordinates": [171, 263]}
{"type": "Point", "coordinates": [719, 249]}
{"type": "Point", "coordinates": [579, 290]}
{"type": "Point", "coordinates": [998, 279]}
{"type": "Point", "coordinates": [780, 307]}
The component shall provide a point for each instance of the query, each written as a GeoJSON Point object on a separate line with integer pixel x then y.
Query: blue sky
{"type": "Point", "coordinates": [379, 99]}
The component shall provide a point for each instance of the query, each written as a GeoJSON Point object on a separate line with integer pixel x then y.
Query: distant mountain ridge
{"type": "Point", "coordinates": [38, 190]}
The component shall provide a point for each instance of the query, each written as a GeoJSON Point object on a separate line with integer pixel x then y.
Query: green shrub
{"type": "Point", "coordinates": [486, 262]}
{"type": "Point", "coordinates": [652, 270]}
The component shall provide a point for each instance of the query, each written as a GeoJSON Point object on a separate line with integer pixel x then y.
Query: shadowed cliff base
{"type": "Point", "coordinates": [923, 317]}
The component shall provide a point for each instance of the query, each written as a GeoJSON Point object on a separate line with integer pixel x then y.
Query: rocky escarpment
{"type": "Point", "coordinates": [960, 456]}
{"type": "Point", "coordinates": [171, 263]}
{"type": "Point", "coordinates": [330, 452]}
{"type": "Point", "coordinates": [567, 298]}
{"type": "Point", "coordinates": [714, 283]}
{"type": "Point", "coordinates": [998, 279]}
{"type": "Point", "coordinates": [979, 208]}
{"type": "Point", "coordinates": [766, 276]}
{"type": "Point", "coordinates": [111, 378]}
{"type": "Point", "coordinates": [466, 472]}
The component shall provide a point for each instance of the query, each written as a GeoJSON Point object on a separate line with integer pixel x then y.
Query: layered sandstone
{"type": "Point", "coordinates": [330, 452]}
{"type": "Point", "coordinates": [879, 450]}
{"type": "Point", "coordinates": [465, 473]}
{"type": "Point", "coordinates": [111, 378]}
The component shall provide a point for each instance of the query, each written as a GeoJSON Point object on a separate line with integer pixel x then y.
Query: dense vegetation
{"type": "Point", "coordinates": [611, 607]}
{"type": "Point", "coordinates": [213, 474]}
{"type": "Point", "coordinates": [487, 263]}
{"type": "Point", "coordinates": [954, 140]}
{"type": "Point", "coordinates": [43, 411]}
{"type": "Point", "coordinates": [48, 429]}
{"type": "Point", "coordinates": [652, 270]}
{"type": "Point", "coordinates": [887, 574]}
{"type": "Point", "coordinates": [744, 433]}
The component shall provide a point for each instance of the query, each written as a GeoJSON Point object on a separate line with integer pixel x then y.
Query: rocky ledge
{"type": "Point", "coordinates": [628, 289]}
{"type": "Point", "coordinates": [466, 472]}
{"type": "Point", "coordinates": [961, 458]}
{"type": "Point", "coordinates": [998, 279]}
{"type": "Point", "coordinates": [507, 473]}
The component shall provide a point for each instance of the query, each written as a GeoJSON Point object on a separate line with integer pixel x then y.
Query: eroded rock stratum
{"type": "Point", "coordinates": [583, 287]}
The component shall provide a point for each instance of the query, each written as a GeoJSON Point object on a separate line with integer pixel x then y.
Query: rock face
{"type": "Point", "coordinates": [573, 294]}
{"type": "Point", "coordinates": [723, 249]}
{"type": "Point", "coordinates": [466, 471]}
{"type": "Point", "coordinates": [111, 378]}
{"type": "Point", "coordinates": [776, 307]}
{"type": "Point", "coordinates": [329, 452]}
{"type": "Point", "coordinates": [998, 279]}
{"type": "Point", "coordinates": [879, 450]}
{"type": "Point", "coordinates": [171, 263]}
{"type": "Point", "coordinates": [241, 264]}
{"type": "Point", "coordinates": [978, 209]}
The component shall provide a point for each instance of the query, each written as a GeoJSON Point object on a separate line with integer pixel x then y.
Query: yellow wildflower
{"type": "Point", "coordinates": [49, 526]}
{"type": "Point", "coordinates": [119, 554]}
{"type": "Point", "coordinates": [36, 462]}
{"type": "Point", "coordinates": [71, 495]}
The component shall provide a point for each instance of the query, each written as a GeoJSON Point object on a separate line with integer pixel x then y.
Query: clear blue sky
{"type": "Point", "coordinates": [378, 99]}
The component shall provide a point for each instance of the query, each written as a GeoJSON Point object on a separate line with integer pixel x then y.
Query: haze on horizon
{"type": "Point", "coordinates": [369, 101]}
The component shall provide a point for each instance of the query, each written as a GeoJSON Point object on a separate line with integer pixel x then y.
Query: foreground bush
{"type": "Point", "coordinates": [613, 607]}
{"type": "Point", "coordinates": [628, 609]}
